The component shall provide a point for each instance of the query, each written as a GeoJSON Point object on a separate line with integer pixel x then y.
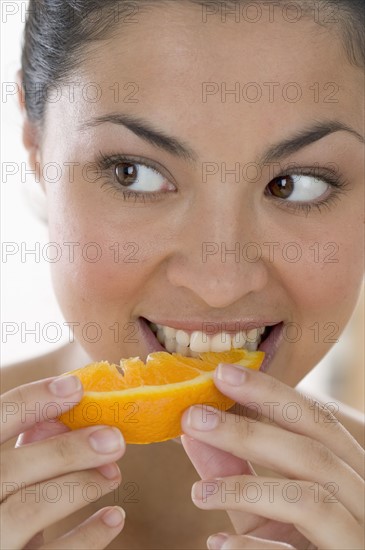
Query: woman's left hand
{"type": "Point", "coordinates": [316, 501]}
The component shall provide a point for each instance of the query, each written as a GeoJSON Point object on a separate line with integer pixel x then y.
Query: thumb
{"type": "Point", "coordinates": [211, 462]}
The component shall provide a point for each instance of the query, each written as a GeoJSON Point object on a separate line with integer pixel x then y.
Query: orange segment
{"type": "Point", "coordinates": [251, 359]}
{"type": "Point", "coordinates": [146, 401]}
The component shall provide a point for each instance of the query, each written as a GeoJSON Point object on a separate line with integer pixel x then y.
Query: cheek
{"type": "Point", "coordinates": [323, 288]}
{"type": "Point", "coordinates": [325, 282]}
{"type": "Point", "coordinates": [97, 271]}
{"type": "Point", "coordinates": [100, 266]}
{"type": "Point", "coordinates": [99, 289]}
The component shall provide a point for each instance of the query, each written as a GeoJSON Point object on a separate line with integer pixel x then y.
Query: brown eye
{"type": "Point", "coordinates": [126, 173]}
{"type": "Point", "coordinates": [281, 187]}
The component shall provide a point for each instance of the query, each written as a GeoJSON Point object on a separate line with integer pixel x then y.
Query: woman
{"type": "Point", "coordinates": [211, 173]}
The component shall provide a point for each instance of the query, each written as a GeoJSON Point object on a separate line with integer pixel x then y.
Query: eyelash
{"type": "Point", "coordinates": [106, 162]}
{"type": "Point", "coordinates": [331, 177]}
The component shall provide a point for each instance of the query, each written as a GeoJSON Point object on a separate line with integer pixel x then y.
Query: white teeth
{"type": "Point", "coordinates": [239, 340]}
{"type": "Point", "coordinates": [182, 338]}
{"type": "Point", "coordinates": [169, 332]}
{"type": "Point", "coordinates": [183, 350]}
{"type": "Point", "coordinates": [199, 341]}
{"type": "Point", "coordinates": [253, 334]}
{"type": "Point", "coordinates": [190, 345]}
{"type": "Point", "coordinates": [251, 346]}
{"type": "Point", "coordinates": [160, 335]}
{"type": "Point", "coordinates": [220, 342]}
{"type": "Point", "coordinates": [170, 344]}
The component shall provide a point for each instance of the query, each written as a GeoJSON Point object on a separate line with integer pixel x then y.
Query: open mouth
{"type": "Point", "coordinates": [215, 337]}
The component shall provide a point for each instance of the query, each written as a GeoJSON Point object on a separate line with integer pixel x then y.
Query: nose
{"type": "Point", "coordinates": [222, 261]}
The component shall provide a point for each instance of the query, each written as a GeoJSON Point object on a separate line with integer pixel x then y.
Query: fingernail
{"type": "Point", "coordinates": [197, 491]}
{"type": "Point", "coordinates": [215, 542]}
{"type": "Point", "coordinates": [106, 440]}
{"type": "Point", "coordinates": [114, 517]}
{"type": "Point", "coordinates": [233, 375]}
{"type": "Point", "coordinates": [203, 418]}
{"type": "Point", "coordinates": [65, 386]}
{"type": "Point", "coordinates": [110, 471]}
{"type": "Point", "coordinates": [202, 490]}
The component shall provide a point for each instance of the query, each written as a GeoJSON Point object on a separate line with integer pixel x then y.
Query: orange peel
{"type": "Point", "coordinates": [146, 400]}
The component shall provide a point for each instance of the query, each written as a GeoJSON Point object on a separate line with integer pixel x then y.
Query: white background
{"type": "Point", "coordinates": [26, 294]}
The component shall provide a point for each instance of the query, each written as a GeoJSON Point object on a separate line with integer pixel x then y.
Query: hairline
{"type": "Point", "coordinates": [81, 52]}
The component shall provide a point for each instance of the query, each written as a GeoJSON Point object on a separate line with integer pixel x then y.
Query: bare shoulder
{"type": "Point", "coordinates": [61, 360]}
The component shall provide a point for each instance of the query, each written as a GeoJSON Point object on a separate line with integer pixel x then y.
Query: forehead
{"type": "Point", "coordinates": [181, 68]}
{"type": "Point", "coordinates": [178, 38]}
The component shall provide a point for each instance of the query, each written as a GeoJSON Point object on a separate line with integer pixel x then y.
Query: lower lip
{"type": "Point", "coordinates": [269, 346]}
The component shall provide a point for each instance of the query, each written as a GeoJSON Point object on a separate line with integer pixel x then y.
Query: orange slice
{"type": "Point", "coordinates": [146, 401]}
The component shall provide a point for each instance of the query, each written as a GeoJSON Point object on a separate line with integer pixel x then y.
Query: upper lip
{"type": "Point", "coordinates": [214, 326]}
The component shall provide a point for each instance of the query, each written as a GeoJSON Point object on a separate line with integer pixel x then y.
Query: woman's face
{"type": "Point", "coordinates": [230, 92]}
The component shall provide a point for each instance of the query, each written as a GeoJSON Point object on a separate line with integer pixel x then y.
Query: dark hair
{"type": "Point", "coordinates": [57, 33]}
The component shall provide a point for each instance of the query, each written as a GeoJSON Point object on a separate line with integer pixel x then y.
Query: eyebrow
{"type": "Point", "coordinates": [307, 136]}
{"type": "Point", "coordinates": [146, 131]}
{"type": "Point", "coordinates": [156, 137]}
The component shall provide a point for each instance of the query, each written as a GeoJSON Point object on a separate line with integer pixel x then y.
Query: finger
{"type": "Point", "coordinates": [289, 409]}
{"type": "Point", "coordinates": [262, 443]}
{"type": "Point", "coordinates": [320, 518]}
{"type": "Point", "coordinates": [36, 542]}
{"type": "Point", "coordinates": [96, 532]}
{"type": "Point", "coordinates": [24, 406]}
{"type": "Point", "coordinates": [224, 541]}
{"type": "Point", "coordinates": [43, 504]}
{"type": "Point", "coordinates": [40, 431]}
{"type": "Point", "coordinates": [211, 462]}
{"type": "Point", "coordinates": [283, 532]}
{"type": "Point", "coordinates": [69, 452]}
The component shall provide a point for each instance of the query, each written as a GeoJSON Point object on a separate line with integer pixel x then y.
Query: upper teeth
{"type": "Point", "coordinates": [179, 341]}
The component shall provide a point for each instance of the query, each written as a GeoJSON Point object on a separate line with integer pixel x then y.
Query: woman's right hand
{"type": "Point", "coordinates": [45, 477]}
